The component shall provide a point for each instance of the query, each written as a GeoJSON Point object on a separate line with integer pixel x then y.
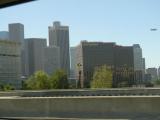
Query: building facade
{"type": "Point", "coordinates": [148, 78]}
{"type": "Point", "coordinates": [93, 54]}
{"type": "Point", "coordinates": [59, 36]}
{"type": "Point", "coordinates": [144, 64]}
{"type": "Point", "coordinates": [138, 63]}
{"type": "Point", "coordinates": [153, 72]}
{"type": "Point", "coordinates": [34, 54]}
{"type": "Point", "coordinates": [124, 73]}
{"type": "Point", "coordinates": [159, 73]}
{"type": "Point", "coordinates": [10, 63]}
{"type": "Point", "coordinates": [73, 67]}
{"type": "Point", "coordinates": [16, 33]}
{"type": "Point", "coordinates": [51, 59]}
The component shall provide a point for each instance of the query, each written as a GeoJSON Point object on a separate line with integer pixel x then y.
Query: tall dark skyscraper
{"type": "Point", "coordinates": [59, 36]}
{"type": "Point", "coordinates": [94, 54]}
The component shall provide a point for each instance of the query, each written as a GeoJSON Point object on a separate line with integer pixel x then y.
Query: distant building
{"type": "Point", "coordinates": [59, 36]}
{"type": "Point", "coordinates": [34, 54]}
{"type": "Point", "coordinates": [16, 33]}
{"type": "Point", "coordinates": [51, 59]}
{"type": "Point", "coordinates": [73, 69]}
{"type": "Point", "coordinates": [10, 63]}
{"type": "Point", "coordinates": [159, 73]}
{"type": "Point", "coordinates": [144, 65]}
{"type": "Point", "coordinates": [143, 69]}
{"type": "Point", "coordinates": [124, 66]}
{"type": "Point", "coordinates": [153, 72]}
{"type": "Point", "coordinates": [4, 35]}
{"type": "Point", "coordinates": [119, 58]}
{"type": "Point", "coordinates": [138, 63]}
{"type": "Point", "coordinates": [148, 78]}
{"type": "Point", "coordinates": [73, 62]}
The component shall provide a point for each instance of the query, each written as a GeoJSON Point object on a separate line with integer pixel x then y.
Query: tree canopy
{"type": "Point", "coordinates": [102, 77]}
{"type": "Point", "coordinates": [40, 80]}
{"type": "Point", "coordinates": [59, 80]}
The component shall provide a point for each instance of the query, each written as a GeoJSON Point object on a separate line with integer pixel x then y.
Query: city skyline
{"type": "Point", "coordinates": [124, 22]}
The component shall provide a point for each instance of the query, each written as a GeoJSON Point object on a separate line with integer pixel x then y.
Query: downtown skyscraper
{"type": "Point", "coordinates": [34, 54]}
{"type": "Point", "coordinates": [59, 37]}
{"type": "Point", "coordinates": [16, 33]}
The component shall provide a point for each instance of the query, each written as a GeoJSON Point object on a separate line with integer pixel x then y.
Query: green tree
{"type": "Point", "coordinates": [39, 80]}
{"type": "Point", "coordinates": [8, 87]}
{"type": "Point", "coordinates": [102, 77]}
{"type": "Point", "coordinates": [59, 80]}
{"type": "Point", "coordinates": [156, 82]}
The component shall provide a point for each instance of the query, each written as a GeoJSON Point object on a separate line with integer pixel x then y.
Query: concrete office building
{"type": "Point", "coordinates": [143, 69]}
{"type": "Point", "coordinates": [16, 33]}
{"type": "Point", "coordinates": [73, 67]}
{"type": "Point", "coordinates": [73, 62]}
{"type": "Point", "coordinates": [159, 73]}
{"type": "Point", "coordinates": [124, 66]}
{"type": "Point", "coordinates": [10, 64]}
{"type": "Point", "coordinates": [147, 78]}
{"type": "Point", "coordinates": [59, 36]}
{"type": "Point", "coordinates": [153, 72]}
{"type": "Point", "coordinates": [51, 59]}
{"type": "Point", "coordinates": [93, 54]}
{"type": "Point", "coordinates": [4, 35]}
{"type": "Point", "coordinates": [144, 65]}
{"type": "Point", "coordinates": [138, 63]}
{"type": "Point", "coordinates": [35, 54]}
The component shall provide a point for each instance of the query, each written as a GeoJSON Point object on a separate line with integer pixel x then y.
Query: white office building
{"type": "Point", "coordinates": [10, 63]}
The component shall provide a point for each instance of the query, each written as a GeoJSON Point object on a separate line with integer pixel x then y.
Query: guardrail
{"type": "Point", "coordinates": [85, 92]}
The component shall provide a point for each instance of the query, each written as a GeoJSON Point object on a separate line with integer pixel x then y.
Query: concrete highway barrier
{"type": "Point", "coordinates": [104, 107]}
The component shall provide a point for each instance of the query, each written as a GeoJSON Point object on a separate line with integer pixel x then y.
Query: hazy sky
{"type": "Point", "coordinates": [125, 22]}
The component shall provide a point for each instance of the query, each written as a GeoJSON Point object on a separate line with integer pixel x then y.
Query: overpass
{"type": "Point", "coordinates": [8, 3]}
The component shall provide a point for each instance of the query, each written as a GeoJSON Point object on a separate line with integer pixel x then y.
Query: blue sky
{"type": "Point", "coordinates": [125, 22]}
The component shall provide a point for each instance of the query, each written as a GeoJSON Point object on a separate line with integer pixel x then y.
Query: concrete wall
{"type": "Point", "coordinates": [132, 107]}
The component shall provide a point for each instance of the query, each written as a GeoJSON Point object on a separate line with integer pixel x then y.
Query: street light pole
{"type": "Point", "coordinates": [79, 84]}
